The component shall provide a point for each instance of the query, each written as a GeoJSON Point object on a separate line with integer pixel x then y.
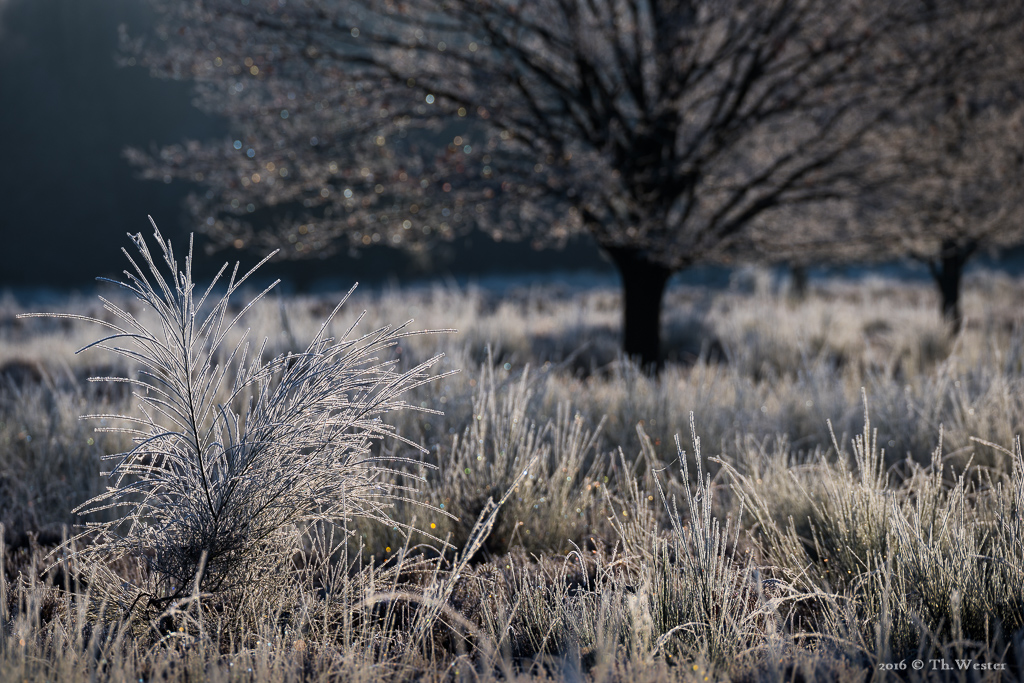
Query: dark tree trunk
{"type": "Point", "coordinates": [947, 272]}
{"type": "Point", "coordinates": [798, 281]}
{"type": "Point", "coordinates": [949, 290]}
{"type": "Point", "coordinates": [643, 286]}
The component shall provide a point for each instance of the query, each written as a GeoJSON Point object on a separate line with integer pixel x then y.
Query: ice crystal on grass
{"type": "Point", "coordinates": [233, 454]}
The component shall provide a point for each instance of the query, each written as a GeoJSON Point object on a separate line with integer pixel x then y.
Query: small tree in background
{"type": "Point", "coordinates": [948, 165]}
{"type": "Point", "coordinates": [960, 154]}
{"type": "Point", "coordinates": [663, 129]}
{"type": "Point", "coordinates": [968, 197]}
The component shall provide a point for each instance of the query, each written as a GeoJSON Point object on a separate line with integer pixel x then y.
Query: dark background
{"type": "Point", "coordinates": [68, 197]}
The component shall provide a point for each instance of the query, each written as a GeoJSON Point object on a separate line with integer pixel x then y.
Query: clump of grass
{"type": "Point", "coordinates": [906, 562]}
{"type": "Point", "coordinates": [836, 561]}
{"type": "Point", "coordinates": [233, 455]}
{"type": "Point", "coordinates": [554, 505]}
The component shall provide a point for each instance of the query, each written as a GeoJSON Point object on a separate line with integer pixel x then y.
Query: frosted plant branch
{"type": "Point", "coordinates": [233, 454]}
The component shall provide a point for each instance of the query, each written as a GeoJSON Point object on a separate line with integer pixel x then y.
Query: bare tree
{"type": "Point", "coordinates": [663, 128]}
{"type": "Point", "coordinates": [960, 153]}
{"type": "Point", "coordinates": [968, 199]}
{"type": "Point", "coordinates": [947, 166]}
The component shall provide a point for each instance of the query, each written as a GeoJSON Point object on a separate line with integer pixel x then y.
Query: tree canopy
{"type": "Point", "coordinates": [959, 152]}
{"type": "Point", "coordinates": [664, 129]}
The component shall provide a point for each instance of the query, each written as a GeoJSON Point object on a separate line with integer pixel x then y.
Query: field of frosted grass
{"type": "Point", "coordinates": [799, 556]}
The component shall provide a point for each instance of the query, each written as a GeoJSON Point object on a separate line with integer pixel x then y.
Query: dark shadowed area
{"type": "Point", "coordinates": [68, 195]}
{"type": "Point", "coordinates": [68, 111]}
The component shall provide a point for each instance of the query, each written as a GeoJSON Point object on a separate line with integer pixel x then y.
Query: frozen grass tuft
{"type": "Point", "coordinates": [853, 501]}
{"type": "Point", "coordinates": [234, 455]}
